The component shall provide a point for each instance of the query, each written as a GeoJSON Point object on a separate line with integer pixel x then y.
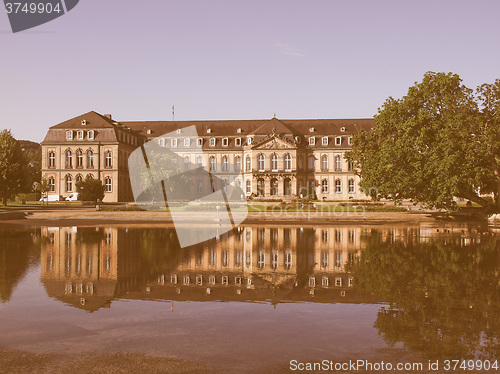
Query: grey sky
{"type": "Point", "coordinates": [237, 59]}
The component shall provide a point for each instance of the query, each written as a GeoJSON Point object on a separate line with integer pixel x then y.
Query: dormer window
{"type": "Point", "coordinates": [312, 140]}
{"type": "Point", "coordinates": [238, 130]}
{"type": "Point", "coordinates": [69, 135]}
{"type": "Point", "coordinates": [311, 129]}
{"type": "Point", "coordinates": [79, 135]}
{"type": "Point", "coordinates": [249, 141]}
{"type": "Point", "coordinates": [237, 142]}
{"type": "Point", "coordinates": [325, 140]}
{"type": "Point", "coordinates": [84, 122]}
{"type": "Point", "coordinates": [148, 132]}
{"type": "Point", "coordinates": [338, 140]}
{"type": "Point", "coordinates": [349, 140]}
{"type": "Point", "coordinates": [187, 142]}
{"type": "Point", "coordinates": [200, 142]}
{"type": "Point", "coordinates": [90, 135]}
{"type": "Point", "coordinates": [162, 142]}
{"type": "Point", "coordinates": [212, 142]}
{"type": "Point", "coordinates": [179, 131]}
{"type": "Point", "coordinates": [225, 142]}
{"type": "Point", "coordinates": [342, 129]}
{"type": "Point", "coordinates": [209, 131]}
{"type": "Point", "coordinates": [174, 142]}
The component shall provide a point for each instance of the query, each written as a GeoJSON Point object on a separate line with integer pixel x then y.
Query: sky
{"type": "Point", "coordinates": [237, 59]}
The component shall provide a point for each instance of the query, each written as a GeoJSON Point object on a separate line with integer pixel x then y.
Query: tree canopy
{"type": "Point", "coordinates": [90, 189]}
{"type": "Point", "coordinates": [12, 166]}
{"type": "Point", "coordinates": [440, 141]}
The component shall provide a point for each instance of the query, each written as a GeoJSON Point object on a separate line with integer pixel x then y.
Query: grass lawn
{"type": "Point", "coordinates": [37, 205]}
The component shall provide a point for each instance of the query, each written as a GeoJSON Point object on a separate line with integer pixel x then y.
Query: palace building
{"type": "Point", "coordinates": [277, 158]}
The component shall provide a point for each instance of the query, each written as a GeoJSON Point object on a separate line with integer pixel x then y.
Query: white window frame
{"type": "Point", "coordinates": [79, 135]}
{"type": "Point", "coordinates": [312, 140]}
{"type": "Point", "coordinates": [90, 135]}
{"type": "Point", "coordinates": [324, 141]}
{"type": "Point", "coordinates": [324, 162]}
{"type": "Point", "coordinates": [108, 159]}
{"type": "Point", "coordinates": [187, 142]}
{"type": "Point", "coordinates": [249, 141]}
{"type": "Point", "coordinates": [52, 159]}
{"type": "Point", "coordinates": [69, 135]}
{"type": "Point", "coordinates": [338, 140]}
{"type": "Point", "coordinates": [274, 162]}
{"type": "Point", "coordinates": [162, 142]}
{"type": "Point", "coordinates": [288, 162]}
{"type": "Point", "coordinates": [349, 140]}
{"type": "Point", "coordinates": [200, 142]}
{"type": "Point", "coordinates": [261, 162]}
{"type": "Point", "coordinates": [108, 184]}
{"type": "Point", "coordinates": [249, 186]}
{"type": "Point", "coordinates": [173, 142]}
{"type": "Point", "coordinates": [225, 142]}
{"type": "Point", "coordinates": [212, 142]}
{"type": "Point", "coordinates": [338, 186]}
{"type": "Point", "coordinates": [237, 142]}
{"type": "Point", "coordinates": [338, 163]}
{"type": "Point", "coordinates": [324, 186]}
{"type": "Point", "coordinates": [352, 186]}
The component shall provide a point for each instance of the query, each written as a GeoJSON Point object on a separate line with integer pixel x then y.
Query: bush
{"type": "Point", "coordinates": [90, 190]}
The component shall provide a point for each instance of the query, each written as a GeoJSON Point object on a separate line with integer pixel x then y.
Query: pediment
{"type": "Point", "coordinates": [274, 143]}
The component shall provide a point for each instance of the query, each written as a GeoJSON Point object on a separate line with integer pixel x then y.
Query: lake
{"type": "Point", "coordinates": [257, 298]}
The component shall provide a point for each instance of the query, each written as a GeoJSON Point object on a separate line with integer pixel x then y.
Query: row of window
{"type": "Point", "coordinates": [175, 142]}
{"type": "Point", "coordinates": [325, 186]}
{"type": "Point", "coordinates": [68, 182]}
{"type": "Point", "coordinates": [79, 158]}
{"type": "Point", "coordinates": [80, 135]}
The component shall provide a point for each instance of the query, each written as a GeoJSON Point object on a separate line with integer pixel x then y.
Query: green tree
{"type": "Point", "coordinates": [12, 166]}
{"type": "Point", "coordinates": [33, 156]}
{"type": "Point", "coordinates": [90, 189]}
{"type": "Point", "coordinates": [440, 141]}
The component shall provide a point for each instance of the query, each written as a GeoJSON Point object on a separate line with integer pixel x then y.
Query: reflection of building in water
{"type": "Point", "coordinates": [81, 267]}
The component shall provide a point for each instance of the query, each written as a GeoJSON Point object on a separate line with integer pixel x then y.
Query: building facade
{"type": "Point", "coordinates": [277, 158]}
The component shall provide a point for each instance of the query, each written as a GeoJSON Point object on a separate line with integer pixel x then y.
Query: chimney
{"type": "Point", "coordinates": [108, 116]}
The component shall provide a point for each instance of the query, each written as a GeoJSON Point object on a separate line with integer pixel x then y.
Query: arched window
{"type": "Point", "coordinates": [79, 158]}
{"type": "Point", "coordinates": [274, 162]}
{"type": "Point", "coordinates": [324, 186]}
{"type": "Point", "coordinates": [310, 162]}
{"type": "Point", "coordinates": [107, 184]}
{"type": "Point", "coordinates": [69, 159]}
{"type": "Point", "coordinates": [90, 159]}
{"type": "Point", "coordinates": [274, 187]}
{"type": "Point", "coordinates": [352, 186]}
{"type": "Point", "coordinates": [301, 162]}
{"type": "Point", "coordinates": [213, 164]}
{"type": "Point", "coordinates": [260, 187]}
{"type": "Point", "coordinates": [89, 176]}
{"type": "Point", "coordinates": [324, 162]}
{"type": "Point", "coordinates": [288, 162]}
{"type": "Point", "coordinates": [338, 163]}
{"type": "Point", "coordinates": [248, 166]}
{"type": "Point", "coordinates": [52, 159]}
{"type": "Point", "coordinates": [237, 164]}
{"type": "Point", "coordinates": [338, 186]}
{"type": "Point", "coordinates": [79, 178]}
{"type": "Point", "coordinates": [261, 162]}
{"type": "Point", "coordinates": [52, 184]}
{"type": "Point", "coordinates": [69, 183]}
{"type": "Point", "coordinates": [225, 163]}
{"type": "Point", "coordinates": [108, 159]}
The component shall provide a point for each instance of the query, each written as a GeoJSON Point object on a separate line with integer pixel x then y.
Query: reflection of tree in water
{"type": "Point", "coordinates": [444, 298]}
{"type": "Point", "coordinates": [17, 253]}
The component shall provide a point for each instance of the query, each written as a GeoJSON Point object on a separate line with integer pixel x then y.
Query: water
{"type": "Point", "coordinates": [257, 297]}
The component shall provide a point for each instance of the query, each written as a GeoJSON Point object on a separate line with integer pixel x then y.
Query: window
{"type": "Point", "coordinates": [69, 183]}
{"type": "Point", "coordinates": [79, 158]}
{"type": "Point", "coordinates": [351, 235]}
{"type": "Point", "coordinates": [350, 165]}
{"type": "Point", "coordinates": [274, 162]}
{"type": "Point", "coordinates": [249, 187]}
{"type": "Point", "coordinates": [338, 259]}
{"type": "Point", "coordinates": [162, 142]}
{"type": "Point", "coordinates": [288, 162]}
{"type": "Point", "coordinates": [324, 235]}
{"type": "Point", "coordinates": [90, 158]}
{"type": "Point", "coordinates": [225, 163]}
{"type": "Point", "coordinates": [352, 188]}
{"type": "Point", "coordinates": [261, 162]}
{"type": "Point", "coordinates": [187, 142]}
{"type": "Point", "coordinates": [325, 140]}
{"type": "Point", "coordinates": [237, 142]}
{"type": "Point", "coordinates": [324, 259]}
{"type": "Point", "coordinates": [52, 159]}
{"type": "Point", "coordinates": [288, 260]}
{"type": "Point", "coordinates": [225, 258]}
{"type": "Point", "coordinates": [213, 164]}
{"type": "Point", "coordinates": [324, 281]}
{"type": "Point", "coordinates": [324, 162]}
{"type": "Point", "coordinates": [174, 142]}
{"type": "Point", "coordinates": [108, 160]}
{"type": "Point", "coordinates": [312, 282]}
{"type": "Point", "coordinates": [225, 142]}
{"type": "Point", "coordinates": [178, 131]}
{"type": "Point", "coordinates": [261, 260]}
{"type": "Point", "coordinates": [69, 159]}
{"type": "Point", "coordinates": [338, 186]}
{"type": "Point", "coordinates": [274, 260]}
{"type": "Point", "coordinates": [324, 186]}
{"type": "Point", "coordinates": [107, 184]}
{"type": "Point", "coordinates": [338, 235]}
{"type": "Point", "coordinates": [349, 140]}
{"type": "Point", "coordinates": [248, 166]}
{"type": "Point", "coordinates": [79, 134]}
{"type": "Point", "coordinates": [69, 135]}
{"type": "Point", "coordinates": [301, 162]}
{"type": "Point", "coordinates": [90, 135]}
{"type": "Point", "coordinates": [200, 142]}
{"type": "Point", "coordinates": [312, 140]}
{"type": "Point", "coordinates": [249, 141]}
{"type": "Point", "coordinates": [237, 162]}
{"type": "Point", "coordinates": [52, 184]}
{"type": "Point", "coordinates": [199, 161]}
{"type": "Point", "coordinates": [79, 178]}
{"type": "Point", "coordinates": [310, 162]}
{"type": "Point", "coordinates": [338, 282]}
{"type": "Point", "coordinates": [338, 140]}
{"type": "Point", "coordinates": [338, 163]}
{"type": "Point", "coordinates": [187, 161]}
{"type": "Point", "coordinates": [212, 142]}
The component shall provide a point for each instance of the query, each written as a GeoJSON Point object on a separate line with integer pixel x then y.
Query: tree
{"type": "Point", "coordinates": [440, 141]}
{"type": "Point", "coordinates": [12, 166]}
{"type": "Point", "coordinates": [90, 189]}
{"type": "Point", "coordinates": [33, 156]}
